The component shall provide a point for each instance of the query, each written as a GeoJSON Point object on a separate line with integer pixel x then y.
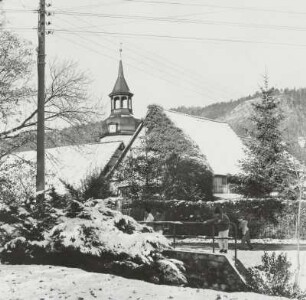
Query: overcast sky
{"type": "Point", "coordinates": [175, 52]}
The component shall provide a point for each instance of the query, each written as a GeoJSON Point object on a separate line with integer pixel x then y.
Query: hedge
{"type": "Point", "coordinates": [268, 218]}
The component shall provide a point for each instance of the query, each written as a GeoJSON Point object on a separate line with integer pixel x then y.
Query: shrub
{"type": "Point", "coordinates": [17, 181]}
{"type": "Point", "coordinates": [56, 200]}
{"type": "Point", "coordinates": [93, 186]}
{"type": "Point", "coordinates": [96, 238]}
{"type": "Point", "coordinates": [273, 277]}
{"type": "Point", "coordinates": [23, 219]}
{"type": "Point", "coordinates": [268, 218]}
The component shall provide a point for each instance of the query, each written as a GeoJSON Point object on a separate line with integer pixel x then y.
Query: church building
{"type": "Point", "coordinates": [122, 131]}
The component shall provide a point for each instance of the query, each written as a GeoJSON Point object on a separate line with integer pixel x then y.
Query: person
{"type": "Point", "coordinates": [159, 216]}
{"type": "Point", "coordinates": [243, 225]}
{"type": "Point", "coordinates": [222, 222]}
{"type": "Point", "coordinates": [118, 205]}
{"type": "Point", "coordinates": [148, 217]}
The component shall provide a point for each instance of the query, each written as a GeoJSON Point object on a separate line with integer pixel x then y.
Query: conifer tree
{"type": "Point", "coordinates": [267, 167]}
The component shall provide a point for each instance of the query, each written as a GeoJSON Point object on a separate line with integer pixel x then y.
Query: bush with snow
{"type": "Point", "coordinates": [17, 180]}
{"type": "Point", "coordinates": [273, 277]}
{"type": "Point", "coordinates": [16, 221]}
{"type": "Point", "coordinates": [96, 238]}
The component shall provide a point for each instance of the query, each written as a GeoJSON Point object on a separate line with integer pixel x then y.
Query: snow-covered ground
{"type": "Point", "coordinates": [36, 282]}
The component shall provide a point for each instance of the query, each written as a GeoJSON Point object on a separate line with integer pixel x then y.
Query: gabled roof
{"type": "Point", "coordinates": [216, 140]}
{"type": "Point", "coordinates": [120, 87]}
{"type": "Point", "coordinates": [72, 164]}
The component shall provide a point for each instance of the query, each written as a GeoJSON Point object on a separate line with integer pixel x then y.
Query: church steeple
{"type": "Point", "coordinates": [121, 120]}
{"type": "Point", "coordinates": [121, 97]}
{"type": "Point", "coordinates": [121, 87]}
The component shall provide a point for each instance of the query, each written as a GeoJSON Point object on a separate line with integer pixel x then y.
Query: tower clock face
{"type": "Point", "coordinates": [112, 128]}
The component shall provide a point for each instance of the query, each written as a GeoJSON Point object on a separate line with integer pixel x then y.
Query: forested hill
{"type": "Point", "coordinates": [237, 113]}
{"type": "Point", "coordinates": [214, 111]}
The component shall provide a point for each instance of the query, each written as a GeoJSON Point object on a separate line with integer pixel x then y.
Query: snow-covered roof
{"type": "Point", "coordinates": [216, 140]}
{"type": "Point", "coordinates": [125, 139]}
{"type": "Point", "coordinates": [73, 163]}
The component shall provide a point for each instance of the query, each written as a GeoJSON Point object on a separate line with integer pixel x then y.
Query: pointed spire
{"type": "Point", "coordinates": [120, 87]}
{"type": "Point", "coordinates": [120, 72]}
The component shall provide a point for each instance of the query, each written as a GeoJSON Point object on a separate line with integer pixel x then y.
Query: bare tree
{"type": "Point", "coordinates": [66, 101]}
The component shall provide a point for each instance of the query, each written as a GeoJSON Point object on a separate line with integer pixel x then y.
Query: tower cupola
{"type": "Point", "coordinates": [121, 119]}
{"type": "Point", "coordinates": [121, 97]}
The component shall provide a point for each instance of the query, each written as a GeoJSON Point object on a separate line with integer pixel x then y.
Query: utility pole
{"type": "Point", "coordinates": [40, 176]}
{"type": "Point", "coordinates": [301, 177]}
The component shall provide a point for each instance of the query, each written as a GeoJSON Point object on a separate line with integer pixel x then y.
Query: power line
{"type": "Point", "coordinates": [19, 28]}
{"type": "Point", "coordinates": [168, 68]}
{"type": "Point", "coordinates": [183, 38]}
{"type": "Point", "coordinates": [96, 5]}
{"type": "Point", "coordinates": [184, 21]}
{"type": "Point", "coordinates": [133, 18]}
{"type": "Point", "coordinates": [199, 84]}
{"type": "Point", "coordinates": [220, 6]}
{"type": "Point", "coordinates": [153, 57]}
{"type": "Point", "coordinates": [15, 10]}
{"type": "Point", "coordinates": [172, 20]}
{"type": "Point", "coordinates": [145, 71]}
{"type": "Point", "coordinates": [165, 63]}
{"type": "Point", "coordinates": [161, 71]}
{"type": "Point", "coordinates": [170, 79]}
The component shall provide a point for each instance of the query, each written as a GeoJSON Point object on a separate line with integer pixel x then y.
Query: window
{"type": "Point", "coordinates": [112, 128]}
{"type": "Point", "coordinates": [117, 102]}
{"type": "Point", "coordinates": [124, 102]}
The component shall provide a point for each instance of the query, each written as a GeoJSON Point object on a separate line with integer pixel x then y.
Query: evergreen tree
{"type": "Point", "coordinates": [267, 166]}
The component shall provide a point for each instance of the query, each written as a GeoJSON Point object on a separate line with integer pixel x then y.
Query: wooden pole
{"type": "Point", "coordinates": [298, 225]}
{"type": "Point", "coordinates": [40, 177]}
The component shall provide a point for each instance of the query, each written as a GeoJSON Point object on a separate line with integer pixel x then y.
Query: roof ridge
{"type": "Point", "coordinates": [196, 117]}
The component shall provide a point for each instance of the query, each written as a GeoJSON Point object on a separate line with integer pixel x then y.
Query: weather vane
{"type": "Point", "coordinates": [120, 50]}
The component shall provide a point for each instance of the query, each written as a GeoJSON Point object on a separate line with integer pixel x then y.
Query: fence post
{"type": "Point", "coordinates": [174, 234]}
{"type": "Point", "coordinates": [235, 235]}
{"type": "Point", "coordinates": [213, 234]}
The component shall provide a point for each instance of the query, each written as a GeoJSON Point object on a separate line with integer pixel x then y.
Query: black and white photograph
{"type": "Point", "coordinates": [153, 149]}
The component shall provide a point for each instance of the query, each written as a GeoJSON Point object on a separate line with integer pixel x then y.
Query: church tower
{"type": "Point", "coordinates": [121, 120]}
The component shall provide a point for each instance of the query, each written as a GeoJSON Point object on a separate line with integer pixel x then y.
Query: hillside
{"type": "Point", "coordinates": [237, 113]}
{"type": "Point", "coordinates": [75, 135]}
{"type": "Point", "coordinates": [214, 111]}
